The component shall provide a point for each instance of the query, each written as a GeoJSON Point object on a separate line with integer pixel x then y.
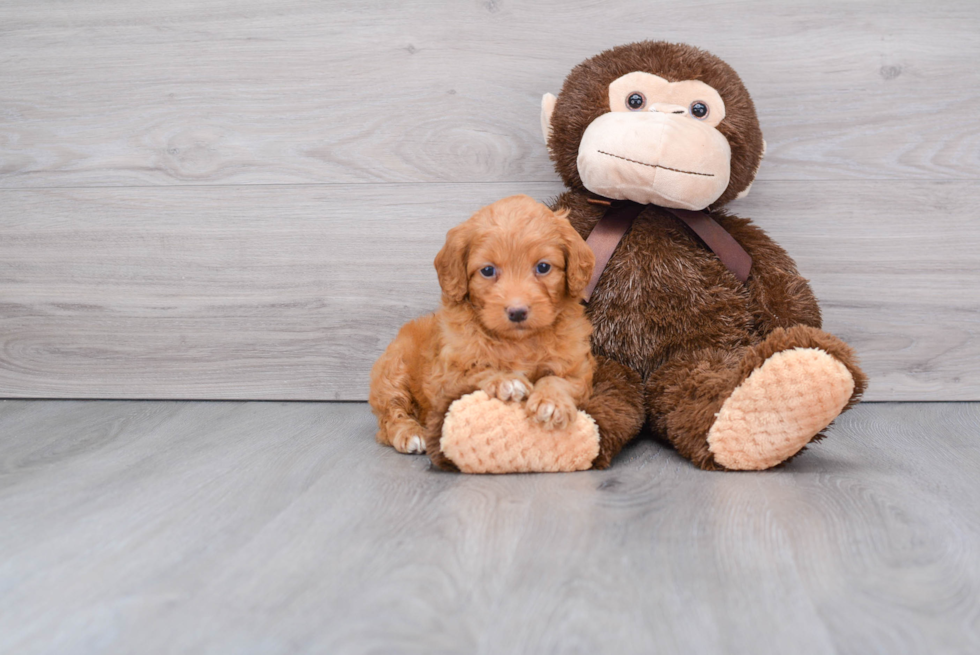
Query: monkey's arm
{"type": "Point", "coordinates": [616, 405]}
{"type": "Point", "coordinates": [781, 297]}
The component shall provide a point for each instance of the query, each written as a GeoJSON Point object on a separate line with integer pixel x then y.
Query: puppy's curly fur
{"type": "Point", "coordinates": [511, 323]}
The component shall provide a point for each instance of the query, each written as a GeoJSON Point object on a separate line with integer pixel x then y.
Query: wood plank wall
{"type": "Point", "coordinates": [242, 198]}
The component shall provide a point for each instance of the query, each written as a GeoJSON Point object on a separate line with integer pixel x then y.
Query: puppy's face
{"type": "Point", "coordinates": [516, 280]}
{"type": "Point", "coordinates": [516, 262]}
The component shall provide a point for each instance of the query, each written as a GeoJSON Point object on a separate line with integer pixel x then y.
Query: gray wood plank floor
{"type": "Point", "coordinates": [177, 527]}
{"type": "Point", "coordinates": [242, 198]}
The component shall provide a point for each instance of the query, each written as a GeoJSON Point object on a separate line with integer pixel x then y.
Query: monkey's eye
{"type": "Point", "coordinates": [635, 100]}
{"type": "Point", "coordinates": [488, 271]}
{"type": "Point", "coordinates": [542, 268]}
{"type": "Point", "coordinates": [699, 110]}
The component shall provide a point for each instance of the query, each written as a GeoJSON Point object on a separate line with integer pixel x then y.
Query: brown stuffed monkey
{"type": "Point", "coordinates": [703, 328]}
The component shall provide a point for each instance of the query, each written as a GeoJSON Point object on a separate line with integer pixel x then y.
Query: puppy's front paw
{"type": "Point", "coordinates": [411, 444]}
{"type": "Point", "coordinates": [555, 411]}
{"type": "Point", "coordinates": [506, 386]}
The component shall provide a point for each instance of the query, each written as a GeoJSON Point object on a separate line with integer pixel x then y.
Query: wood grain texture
{"type": "Point", "coordinates": [242, 198]}
{"type": "Point", "coordinates": [299, 91]}
{"type": "Point", "coordinates": [174, 527]}
{"type": "Point", "coordinates": [292, 292]}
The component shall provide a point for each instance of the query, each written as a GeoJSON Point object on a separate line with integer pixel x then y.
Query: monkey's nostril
{"type": "Point", "coordinates": [517, 314]}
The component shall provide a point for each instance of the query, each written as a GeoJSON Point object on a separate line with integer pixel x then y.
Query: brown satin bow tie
{"type": "Point", "coordinates": [611, 228]}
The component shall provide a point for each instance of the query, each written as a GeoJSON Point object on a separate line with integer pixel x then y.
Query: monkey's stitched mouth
{"type": "Point", "coordinates": [666, 168]}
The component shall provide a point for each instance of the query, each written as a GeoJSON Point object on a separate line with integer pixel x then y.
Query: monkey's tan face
{"type": "Point", "coordinates": [658, 144]}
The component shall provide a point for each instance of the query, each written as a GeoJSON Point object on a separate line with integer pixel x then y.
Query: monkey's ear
{"type": "Point", "coordinates": [451, 263]}
{"type": "Point", "coordinates": [579, 258]}
{"type": "Point", "coordinates": [548, 101]}
{"type": "Point", "coordinates": [744, 192]}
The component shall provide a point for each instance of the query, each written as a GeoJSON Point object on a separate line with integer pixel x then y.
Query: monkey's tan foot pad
{"type": "Point", "coordinates": [779, 408]}
{"type": "Point", "coordinates": [484, 435]}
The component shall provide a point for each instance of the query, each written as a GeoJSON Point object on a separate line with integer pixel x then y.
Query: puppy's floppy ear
{"type": "Point", "coordinates": [451, 263]}
{"type": "Point", "coordinates": [579, 258]}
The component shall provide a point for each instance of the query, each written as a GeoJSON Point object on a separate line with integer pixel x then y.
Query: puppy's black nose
{"type": "Point", "coordinates": [516, 314]}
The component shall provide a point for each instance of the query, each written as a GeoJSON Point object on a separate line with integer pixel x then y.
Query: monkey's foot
{"type": "Point", "coordinates": [779, 408]}
{"type": "Point", "coordinates": [485, 435]}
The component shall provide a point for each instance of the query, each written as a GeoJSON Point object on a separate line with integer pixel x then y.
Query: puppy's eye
{"type": "Point", "coordinates": [542, 268]}
{"type": "Point", "coordinates": [635, 100]}
{"type": "Point", "coordinates": [488, 271]}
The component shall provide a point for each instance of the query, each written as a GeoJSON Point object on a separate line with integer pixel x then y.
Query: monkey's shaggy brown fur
{"type": "Point", "coordinates": [666, 308]}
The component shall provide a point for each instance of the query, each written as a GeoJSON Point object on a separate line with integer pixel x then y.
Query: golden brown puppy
{"type": "Point", "coordinates": [511, 324]}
